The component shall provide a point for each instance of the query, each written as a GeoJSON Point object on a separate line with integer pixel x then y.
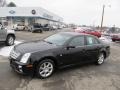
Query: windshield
{"type": "Point", "coordinates": [58, 39]}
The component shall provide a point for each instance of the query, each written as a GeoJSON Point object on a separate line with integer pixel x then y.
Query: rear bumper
{"type": "Point", "coordinates": [21, 68]}
{"type": "Point", "coordinates": [116, 39]}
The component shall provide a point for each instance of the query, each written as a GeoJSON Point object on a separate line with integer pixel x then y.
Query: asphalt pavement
{"type": "Point", "coordinates": [85, 77]}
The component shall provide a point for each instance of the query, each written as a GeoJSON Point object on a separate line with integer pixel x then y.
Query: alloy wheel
{"type": "Point", "coordinates": [46, 69]}
{"type": "Point", "coordinates": [101, 59]}
{"type": "Point", "coordinates": [11, 40]}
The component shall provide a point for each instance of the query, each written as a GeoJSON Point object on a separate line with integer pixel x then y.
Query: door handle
{"type": "Point", "coordinates": [83, 50]}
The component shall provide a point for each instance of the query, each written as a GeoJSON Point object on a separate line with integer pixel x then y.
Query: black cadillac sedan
{"type": "Point", "coordinates": [59, 50]}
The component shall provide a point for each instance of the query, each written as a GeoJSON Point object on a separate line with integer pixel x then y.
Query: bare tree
{"type": "Point", "coordinates": [11, 4]}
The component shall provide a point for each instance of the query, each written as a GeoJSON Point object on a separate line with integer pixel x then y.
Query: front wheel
{"type": "Point", "coordinates": [45, 68]}
{"type": "Point", "coordinates": [10, 40]}
{"type": "Point", "coordinates": [113, 40]}
{"type": "Point", "coordinates": [40, 31]}
{"type": "Point", "coordinates": [101, 59]}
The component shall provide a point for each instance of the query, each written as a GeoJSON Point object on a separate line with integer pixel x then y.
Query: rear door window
{"type": "Point", "coordinates": [91, 40]}
{"type": "Point", "coordinates": [77, 41]}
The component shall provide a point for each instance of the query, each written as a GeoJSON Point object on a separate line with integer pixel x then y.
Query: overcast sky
{"type": "Point", "coordinates": [87, 12]}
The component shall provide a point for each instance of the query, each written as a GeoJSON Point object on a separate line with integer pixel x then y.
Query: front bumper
{"type": "Point", "coordinates": [20, 67]}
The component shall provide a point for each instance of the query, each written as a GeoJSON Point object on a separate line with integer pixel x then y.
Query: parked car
{"type": "Point", "coordinates": [106, 32]}
{"type": "Point", "coordinates": [57, 51]}
{"type": "Point", "coordinates": [7, 36]}
{"type": "Point", "coordinates": [88, 31]}
{"type": "Point", "coordinates": [60, 27]}
{"type": "Point", "coordinates": [114, 33]}
{"type": "Point", "coordinates": [47, 27]}
{"type": "Point", "coordinates": [19, 27]}
{"type": "Point", "coordinates": [35, 28]}
{"type": "Point", "coordinates": [115, 37]}
{"type": "Point", "coordinates": [54, 27]}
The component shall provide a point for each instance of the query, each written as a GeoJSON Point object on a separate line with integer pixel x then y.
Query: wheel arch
{"type": "Point", "coordinates": [47, 57]}
{"type": "Point", "coordinates": [104, 52]}
{"type": "Point", "coordinates": [11, 35]}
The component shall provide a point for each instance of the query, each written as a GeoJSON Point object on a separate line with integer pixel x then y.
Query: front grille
{"type": "Point", "coordinates": [14, 54]}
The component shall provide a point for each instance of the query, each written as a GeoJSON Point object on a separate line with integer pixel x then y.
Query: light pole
{"type": "Point", "coordinates": [103, 11]}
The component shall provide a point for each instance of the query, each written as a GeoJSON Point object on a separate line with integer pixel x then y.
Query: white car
{"type": "Point", "coordinates": [7, 36]}
{"type": "Point", "coordinates": [19, 27]}
{"type": "Point", "coordinates": [54, 27]}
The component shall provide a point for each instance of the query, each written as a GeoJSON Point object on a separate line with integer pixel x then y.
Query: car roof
{"type": "Point", "coordinates": [73, 33]}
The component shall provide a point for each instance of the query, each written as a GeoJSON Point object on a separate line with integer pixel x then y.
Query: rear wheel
{"type": "Point", "coordinates": [45, 68]}
{"type": "Point", "coordinates": [10, 40]}
{"type": "Point", "coordinates": [101, 59]}
{"type": "Point", "coordinates": [41, 31]}
{"type": "Point", "coordinates": [24, 28]}
{"type": "Point", "coordinates": [113, 40]}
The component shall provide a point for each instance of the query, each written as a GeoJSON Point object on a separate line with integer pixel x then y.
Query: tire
{"type": "Point", "coordinates": [41, 31]}
{"type": "Point", "coordinates": [24, 28]}
{"type": "Point", "coordinates": [33, 31]}
{"type": "Point", "coordinates": [113, 40]}
{"type": "Point", "coordinates": [44, 70]}
{"type": "Point", "coordinates": [16, 29]}
{"type": "Point", "coordinates": [101, 59]}
{"type": "Point", "coordinates": [10, 40]}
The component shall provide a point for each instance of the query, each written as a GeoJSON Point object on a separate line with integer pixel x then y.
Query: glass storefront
{"type": "Point", "coordinates": [31, 21]}
{"type": "Point", "coordinates": [18, 20]}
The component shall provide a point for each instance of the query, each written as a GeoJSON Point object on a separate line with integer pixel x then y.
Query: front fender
{"type": "Point", "coordinates": [36, 57]}
{"type": "Point", "coordinates": [103, 50]}
{"type": "Point", "coordinates": [10, 32]}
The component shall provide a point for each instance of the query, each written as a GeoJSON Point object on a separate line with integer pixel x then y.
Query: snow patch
{"type": "Point", "coordinates": [5, 51]}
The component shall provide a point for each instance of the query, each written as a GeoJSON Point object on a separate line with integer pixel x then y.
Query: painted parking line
{"type": "Point", "coordinates": [5, 51]}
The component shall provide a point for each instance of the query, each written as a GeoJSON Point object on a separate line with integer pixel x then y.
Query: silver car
{"type": "Point", "coordinates": [7, 36]}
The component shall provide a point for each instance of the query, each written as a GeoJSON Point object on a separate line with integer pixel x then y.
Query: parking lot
{"type": "Point", "coordinates": [85, 77]}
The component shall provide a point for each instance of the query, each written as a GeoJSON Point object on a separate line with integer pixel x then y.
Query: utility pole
{"type": "Point", "coordinates": [102, 17]}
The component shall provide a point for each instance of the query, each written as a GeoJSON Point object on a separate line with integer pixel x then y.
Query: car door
{"type": "Point", "coordinates": [2, 34]}
{"type": "Point", "coordinates": [92, 48]}
{"type": "Point", "coordinates": [74, 51]}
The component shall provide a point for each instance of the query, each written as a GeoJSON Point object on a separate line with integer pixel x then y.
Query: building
{"type": "Point", "coordinates": [27, 16]}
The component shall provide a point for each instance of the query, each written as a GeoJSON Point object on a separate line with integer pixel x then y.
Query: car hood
{"type": "Point", "coordinates": [34, 46]}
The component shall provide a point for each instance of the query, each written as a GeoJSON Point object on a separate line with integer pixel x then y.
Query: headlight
{"type": "Point", "coordinates": [25, 57]}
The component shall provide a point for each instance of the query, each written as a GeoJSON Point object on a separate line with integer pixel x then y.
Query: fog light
{"type": "Point", "coordinates": [29, 66]}
{"type": "Point", "coordinates": [19, 67]}
{"type": "Point", "coordinates": [20, 70]}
